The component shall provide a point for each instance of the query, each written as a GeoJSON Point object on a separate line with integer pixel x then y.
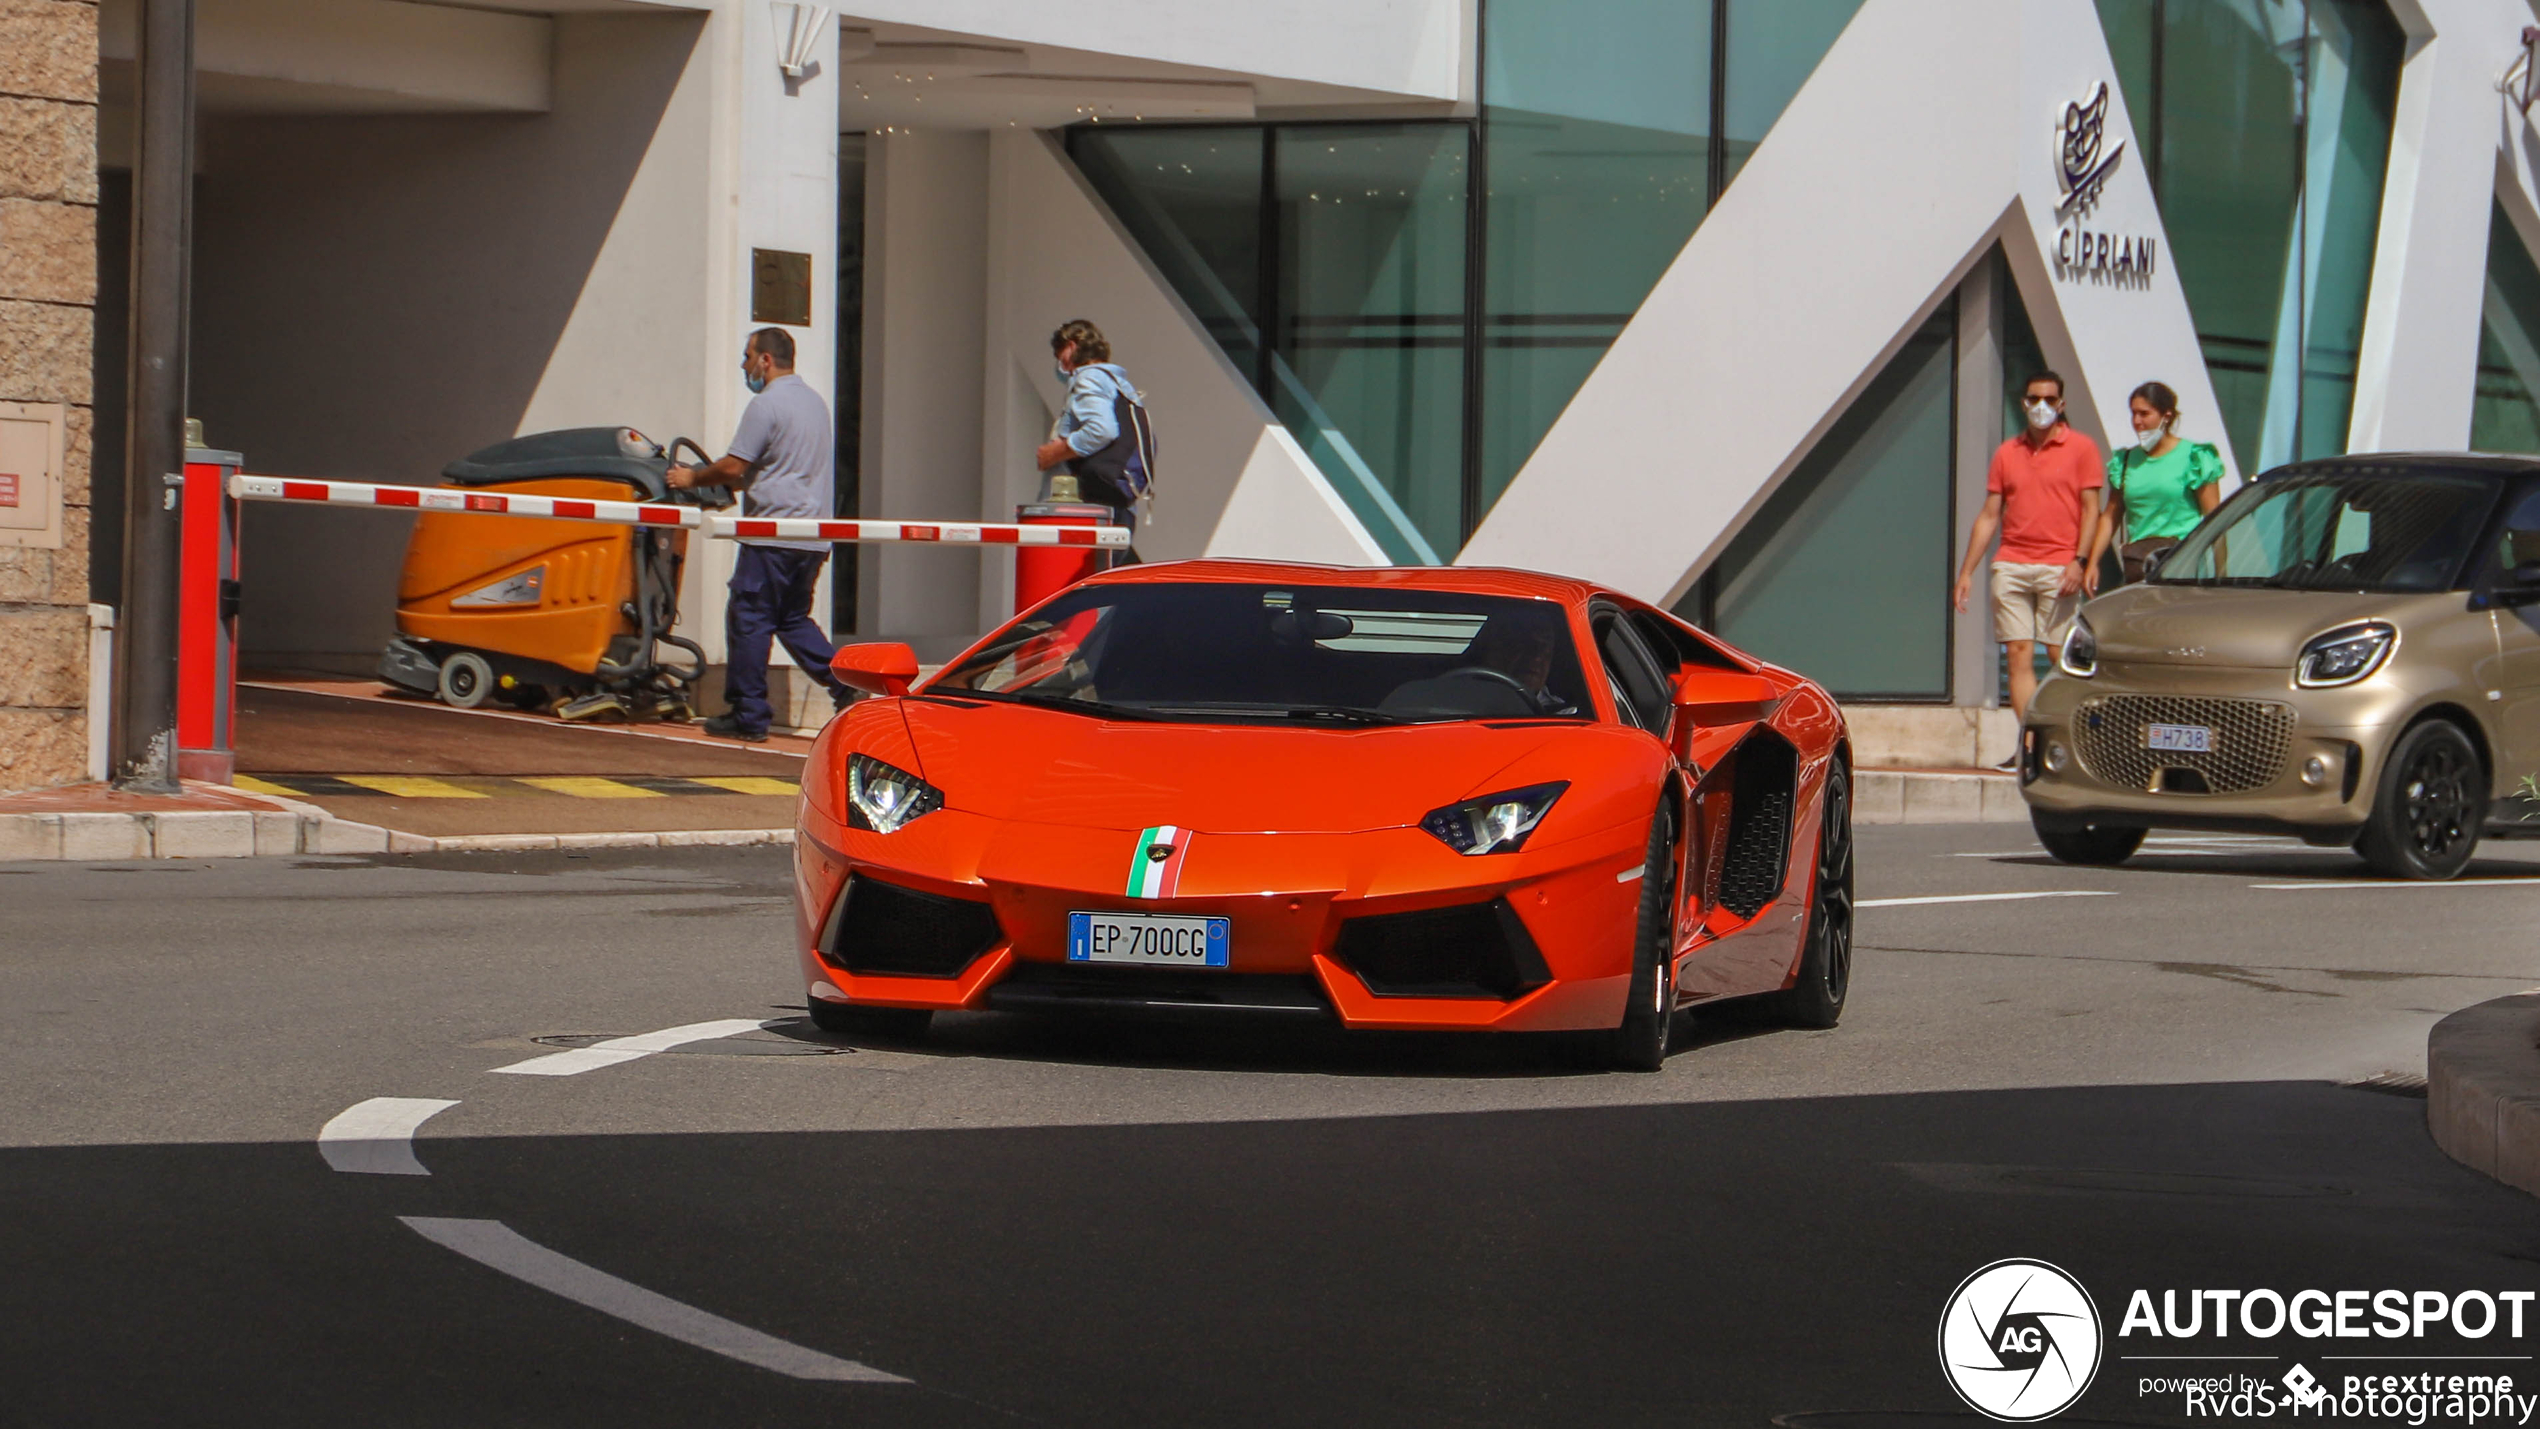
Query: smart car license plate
{"type": "Point", "coordinates": [1154, 939]}
{"type": "Point", "coordinates": [2186, 738]}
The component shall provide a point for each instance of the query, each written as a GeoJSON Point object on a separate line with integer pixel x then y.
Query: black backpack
{"type": "Point", "coordinates": [1124, 471]}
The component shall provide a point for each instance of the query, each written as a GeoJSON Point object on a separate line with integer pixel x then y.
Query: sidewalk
{"type": "Point", "coordinates": [1937, 796]}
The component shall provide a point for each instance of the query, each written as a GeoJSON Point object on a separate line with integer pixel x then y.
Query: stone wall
{"type": "Point", "coordinates": [48, 294]}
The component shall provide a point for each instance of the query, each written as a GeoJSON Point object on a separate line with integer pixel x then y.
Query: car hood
{"type": "Point", "coordinates": [1051, 767]}
{"type": "Point", "coordinates": [2213, 626]}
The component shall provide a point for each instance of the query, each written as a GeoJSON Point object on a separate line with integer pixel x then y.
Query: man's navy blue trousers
{"type": "Point", "coordinates": [771, 600]}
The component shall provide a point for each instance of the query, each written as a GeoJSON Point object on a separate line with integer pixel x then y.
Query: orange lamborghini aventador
{"type": "Point", "coordinates": [1402, 798]}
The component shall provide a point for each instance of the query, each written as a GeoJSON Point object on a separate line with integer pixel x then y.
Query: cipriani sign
{"type": "Point", "coordinates": [2084, 160]}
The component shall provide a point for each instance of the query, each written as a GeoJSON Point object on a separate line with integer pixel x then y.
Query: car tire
{"type": "Point", "coordinates": [2090, 845]}
{"type": "Point", "coordinates": [888, 1024]}
{"type": "Point", "coordinates": [2428, 805]}
{"type": "Point", "coordinates": [1649, 1008]}
{"type": "Point", "coordinates": [466, 680]}
{"type": "Point", "coordinates": [1816, 997]}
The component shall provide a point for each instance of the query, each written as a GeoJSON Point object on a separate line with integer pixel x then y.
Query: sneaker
{"type": "Point", "coordinates": [2010, 763]}
{"type": "Point", "coordinates": [724, 726]}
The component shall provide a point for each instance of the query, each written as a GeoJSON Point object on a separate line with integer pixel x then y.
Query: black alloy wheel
{"type": "Point", "coordinates": [881, 1024]}
{"type": "Point", "coordinates": [1816, 997]}
{"type": "Point", "coordinates": [1649, 1008]}
{"type": "Point", "coordinates": [2089, 845]}
{"type": "Point", "coordinates": [2428, 805]}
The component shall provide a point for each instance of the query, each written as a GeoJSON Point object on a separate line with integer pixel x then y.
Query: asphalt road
{"type": "Point", "coordinates": [2148, 1080]}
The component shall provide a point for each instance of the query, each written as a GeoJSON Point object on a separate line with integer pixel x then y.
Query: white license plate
{"type": "Point", "coordinates": [1154, 939]}
{"type": "Point", "coordinates": [2189, 738]}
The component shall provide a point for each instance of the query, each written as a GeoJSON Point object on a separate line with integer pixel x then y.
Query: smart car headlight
{"type": "Point", "coordinates": [2081, 651]}
{"type": "Point", "coordinates": [1493, 823]}
{"type": "Point", "coordinates": [2344, 655]}
{"type": "Point", "coordinates": [883, 799]}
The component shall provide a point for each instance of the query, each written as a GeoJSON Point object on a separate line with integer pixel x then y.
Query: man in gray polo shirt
{"type": "Point", "coordinates": [780, 459]}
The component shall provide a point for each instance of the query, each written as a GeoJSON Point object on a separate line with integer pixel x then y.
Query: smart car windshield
{"type": "Point", "coordinates": [1205, 652]}
{"type": "Point", "coordinates": [2332, 530]}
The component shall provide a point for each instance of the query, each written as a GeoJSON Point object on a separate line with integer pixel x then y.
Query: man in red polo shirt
{"type": "Point", "coordinates": [2042, 495]}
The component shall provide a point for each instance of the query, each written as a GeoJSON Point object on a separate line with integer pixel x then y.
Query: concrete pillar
{"type": "Point", "coordinates": [48, 292]}
{"type": "Point", "coordinates": [925, 346]}
{"type": "Point", "coordinates": [1979, 430]}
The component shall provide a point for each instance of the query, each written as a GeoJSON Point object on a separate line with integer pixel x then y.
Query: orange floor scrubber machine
{"type": "Point", "coordinates": [538, 614]}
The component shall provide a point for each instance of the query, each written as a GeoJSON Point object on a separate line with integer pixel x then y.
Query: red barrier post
{"type": "Point", "coordinates": [1043, 571]}
{"type": "Point", "coordinates": [207, 620]}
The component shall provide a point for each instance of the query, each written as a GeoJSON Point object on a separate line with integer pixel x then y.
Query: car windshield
{"type": "Point", "coordinates": [1209, 652]}
{"type": "Point", "coordinates": [2337, 531]}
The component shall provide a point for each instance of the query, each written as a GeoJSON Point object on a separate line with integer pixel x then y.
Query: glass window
{"type": "Point", "coordinates": [1192, 199]}
{"type": "Point", "coordinates": [1640, 694]}
{"type": "Point", "coordinates": [1368, 348]}
{"type": "Point", "coordinates": [2505, 417]}
{"type": "Point", "coordinates": [1845, 570]}
{"type": "Point", "coordinates": [1212, 653]}
{"type": "Point", "coordinates": [2267, 133]}
{"type": "Point", "coordinates": [1774, 45]}
{"type": "Point", "coordinates": [2337, 531]}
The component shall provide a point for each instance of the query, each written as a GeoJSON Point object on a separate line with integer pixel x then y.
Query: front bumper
{"type": "Point", "coordinates": [2311, 772]}
{"type": "Point", "coordinates": [1288, 899]}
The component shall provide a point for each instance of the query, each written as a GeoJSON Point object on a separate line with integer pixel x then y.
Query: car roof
{"type": "Point", "coordinates": [1473, 580]}
{"type": "Point", "coordinates": [2495, 466]}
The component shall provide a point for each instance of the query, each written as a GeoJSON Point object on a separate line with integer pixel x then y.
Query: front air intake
{"type": "Point", "coordinates": [1471, 950]}
{"type": "Point", "coordinates": [899, 932]}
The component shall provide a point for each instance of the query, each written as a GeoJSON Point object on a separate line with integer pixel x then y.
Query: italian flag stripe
{"type": "Point", "coordinates": [1146, 875]}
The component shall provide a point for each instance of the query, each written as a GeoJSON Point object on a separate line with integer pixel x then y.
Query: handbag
{"type": "Point", "coordinates": [2135, 558]}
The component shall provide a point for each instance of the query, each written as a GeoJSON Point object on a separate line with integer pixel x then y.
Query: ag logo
{"type": "Point", "coordinates": [2019, 1340]}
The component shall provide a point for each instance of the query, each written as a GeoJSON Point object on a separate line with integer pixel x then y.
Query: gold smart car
{"type": "Point", "coordinates": [2348, 650]}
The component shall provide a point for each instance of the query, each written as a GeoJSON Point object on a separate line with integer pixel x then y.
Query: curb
{"type": "Point", "coordinates": [2482, 1088]}
{"type": "Point", "coordinates": [298, 829]}
{"type": "Point", "coordinates": [1904, 796]}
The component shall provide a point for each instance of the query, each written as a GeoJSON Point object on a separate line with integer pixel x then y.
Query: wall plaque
{"type": "Point", "coordinates": [780, 287]}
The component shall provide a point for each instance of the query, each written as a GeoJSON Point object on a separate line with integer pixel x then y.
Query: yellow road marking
{"type": "Point", "coordinates": [585, 786]}
{"type": "Point", "coordinates": [412, 786]}
{"type": "Point", "coordinates": [747, 784]}
{"type": "Point", "coordinates": [253, 785]}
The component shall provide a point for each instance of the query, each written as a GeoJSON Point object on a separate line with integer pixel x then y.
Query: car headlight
{"type": "Point", "coordinates": [1493, 823]}
{"type": "Point", "coordinates": [883, 799]}
{"type": "Point", "coordinates": [2080, 658]}
{"type": "Point", "coordinates": [2344, 655]}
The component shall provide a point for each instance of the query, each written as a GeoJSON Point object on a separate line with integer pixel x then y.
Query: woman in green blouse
{"type": "Point", "coordinates": [2158, 489]}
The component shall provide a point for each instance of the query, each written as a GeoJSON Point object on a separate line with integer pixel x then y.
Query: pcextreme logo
{"type": "Point", "coordinates": [2019, 1340]}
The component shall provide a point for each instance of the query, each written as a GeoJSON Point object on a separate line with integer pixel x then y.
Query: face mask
{"type": "Point", "coordinates": [1063, 374]}
{"type": "Point", "coordinates": [754, 382]}
{"type": "Point", "coordinates": [2041, 415]}
{"type": "Point", "coordinates": [2152, 438]}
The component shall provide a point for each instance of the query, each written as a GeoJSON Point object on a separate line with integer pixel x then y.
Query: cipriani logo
{"type": "Point", "coordinates": [2019, 1340]}
{"type": "Point", "coordinates": [2085, 131]}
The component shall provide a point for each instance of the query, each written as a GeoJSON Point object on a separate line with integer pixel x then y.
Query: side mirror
{"type": "Point", "coordinates": [1714, 697]}
{"type": "Point", "coordinates": [878, 668]}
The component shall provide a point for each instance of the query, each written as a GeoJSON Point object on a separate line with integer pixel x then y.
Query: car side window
{"type": "Point", "coordinates": [1640, 689]}
{"type": "Point", "coordinates": [2518, 544]}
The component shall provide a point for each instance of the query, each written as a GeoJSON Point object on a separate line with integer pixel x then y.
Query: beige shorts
{"type": "Point", "coordinates": [2026, 607]}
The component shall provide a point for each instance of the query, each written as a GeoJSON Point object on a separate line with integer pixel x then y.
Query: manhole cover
{"type": "Point", "coordinates": [744, 1046]}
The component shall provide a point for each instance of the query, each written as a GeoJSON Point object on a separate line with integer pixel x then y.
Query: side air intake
{"type": "Point", "coordinates": [1758, 855]}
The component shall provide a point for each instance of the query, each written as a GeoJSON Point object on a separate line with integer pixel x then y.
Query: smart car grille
{"type": "Point", "coordinates": [1758, 855]}
{"type": "Point", "coordinates": [2250, 742]}
{"type": "Point", "coordinates": [1472, 950]}
{"type": "Point", "coordinates": [900, 932]}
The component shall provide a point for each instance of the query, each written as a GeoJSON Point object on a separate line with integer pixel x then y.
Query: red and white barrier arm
{"type": "Point", "coordinates": [457, 498]}
{"type": "Point", "coordinates": [243, 487]}
{"type": "Point", "coordinates": [965, 533]}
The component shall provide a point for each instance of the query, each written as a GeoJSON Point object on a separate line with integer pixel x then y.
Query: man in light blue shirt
{"type": "Point", "coordinates": [781, 459]}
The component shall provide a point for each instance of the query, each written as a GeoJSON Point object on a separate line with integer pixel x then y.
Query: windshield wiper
{"type": "Point", "coordinates": [1069, 704]}
{"type": "Point", "coordinates": [1350, 714]}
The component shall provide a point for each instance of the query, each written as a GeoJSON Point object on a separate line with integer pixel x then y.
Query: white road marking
{"type": "Point", "coordinates": [498, 1246]}
{"type": "Point", "coordinates": [2404, 883]}
{"type": "Point", "coordinates": [1635, 871]}
{"type": "Point", "coordinates": [627, 1049]}
{"type": "Point", "coordinates": [1985, 897]}
{"type": "Point", "coordinates": [377, 1137]}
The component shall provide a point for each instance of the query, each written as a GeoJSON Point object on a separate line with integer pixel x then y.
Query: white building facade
{"type": "Point", "coordinates": [1719, 301]}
